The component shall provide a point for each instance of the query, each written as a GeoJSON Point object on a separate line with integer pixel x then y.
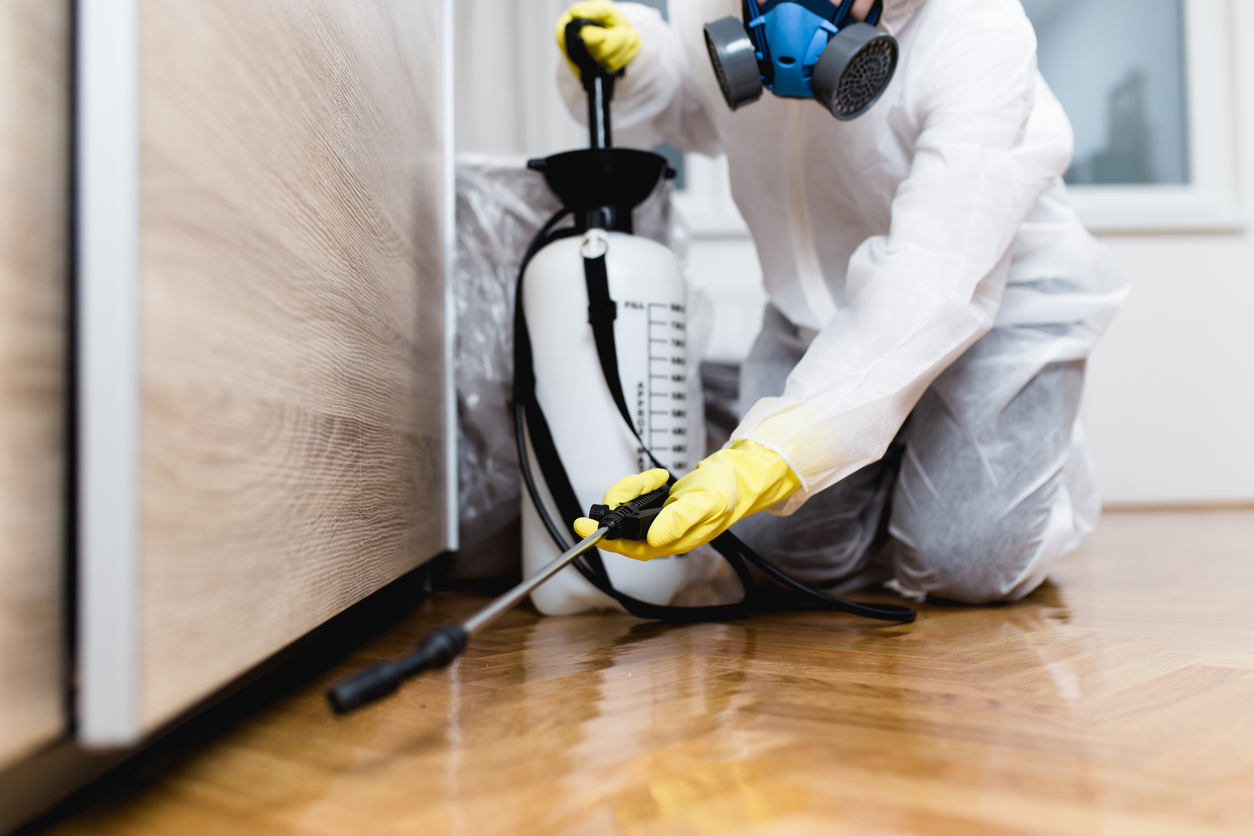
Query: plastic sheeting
{"type": "Point", "coordinates": [500, 207]}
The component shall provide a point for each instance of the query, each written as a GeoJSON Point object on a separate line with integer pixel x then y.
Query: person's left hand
{"type": "Point", "coordinates": [732, 483]}
{"type": "Point", "coordinates": [611, 44]}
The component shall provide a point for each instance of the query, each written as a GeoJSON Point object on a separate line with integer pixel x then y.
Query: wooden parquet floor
{"type": "Point", "coordinates": [1117, 699]}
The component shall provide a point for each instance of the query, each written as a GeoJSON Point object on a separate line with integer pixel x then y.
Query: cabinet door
{"type": "Point", "coordinates": [264, 358]}
{"type": "Point", "coordinates": [34, 167]}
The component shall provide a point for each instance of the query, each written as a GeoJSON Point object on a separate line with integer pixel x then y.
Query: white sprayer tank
{"type": "Point", "coordinates": [595, 446]}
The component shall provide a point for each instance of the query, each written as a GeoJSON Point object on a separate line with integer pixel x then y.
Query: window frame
{"type": "Point", "coordinates": [1209, 202]}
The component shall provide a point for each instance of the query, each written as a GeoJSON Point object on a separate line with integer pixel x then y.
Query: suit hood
{"type": "Point", "coordinates": [897, 13]}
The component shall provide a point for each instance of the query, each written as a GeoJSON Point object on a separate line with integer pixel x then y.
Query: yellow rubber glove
{"type": "Point", "coordinates": [731, 484]}
{"type": "Point", "coordinates": [612, 44]}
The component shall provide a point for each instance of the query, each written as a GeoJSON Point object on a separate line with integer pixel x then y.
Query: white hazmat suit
{"type": "Point", "coordinates": [891, 245]}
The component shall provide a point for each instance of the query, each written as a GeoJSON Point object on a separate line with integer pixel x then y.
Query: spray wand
{"type": "Point", "coordinates": [629, 521]}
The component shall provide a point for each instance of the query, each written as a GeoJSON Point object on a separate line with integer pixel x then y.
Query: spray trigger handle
{"type": "Point", "coordinates": [631, 520]}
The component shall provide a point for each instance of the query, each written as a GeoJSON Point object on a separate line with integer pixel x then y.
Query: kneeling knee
{"type": "Point", "coordinates": [972, 561]}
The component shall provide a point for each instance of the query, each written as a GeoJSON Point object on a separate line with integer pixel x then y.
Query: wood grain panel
{"type": "Point", "coordinates": [292, 324]}
{"type": "Point", "coordinates": [1114, 700]}
{"type": "Point", "coordinates": [34, 166]}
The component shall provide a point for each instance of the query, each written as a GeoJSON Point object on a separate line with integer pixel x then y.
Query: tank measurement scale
{"type": "Point", "coordinates": [662, 402]}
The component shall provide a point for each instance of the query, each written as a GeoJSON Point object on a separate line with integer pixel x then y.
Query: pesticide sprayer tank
{"type": "Point", "coordinates": [596, 447]}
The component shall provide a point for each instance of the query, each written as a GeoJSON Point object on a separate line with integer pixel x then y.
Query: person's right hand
{"type": "Point", "coordinates": [612, 44]}
{"type": "Point", "coordinates": [732, 483]}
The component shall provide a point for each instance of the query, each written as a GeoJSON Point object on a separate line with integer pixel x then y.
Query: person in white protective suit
{"type": "Point", "coordinates": [910, 406]}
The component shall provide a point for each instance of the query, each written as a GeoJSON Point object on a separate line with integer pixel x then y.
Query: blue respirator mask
{"type": "Point", "coordinates": [803, 49]}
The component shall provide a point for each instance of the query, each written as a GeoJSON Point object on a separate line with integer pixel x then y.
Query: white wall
{"type": "Point", "coordinates": [1171, 391]}
{"type": "Point", "coordinates": [505, 87]}
{"type": "Point", "coordinates": [1170, 397]}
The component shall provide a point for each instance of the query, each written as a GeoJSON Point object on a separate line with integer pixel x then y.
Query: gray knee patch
{"type": "Point", "coordinates": [979, 555]}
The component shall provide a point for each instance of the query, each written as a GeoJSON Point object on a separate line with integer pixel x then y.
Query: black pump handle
{"type": "Point", "coordinates": [597, 81]}
{"type": "Point", "coordinates": [577, 50]}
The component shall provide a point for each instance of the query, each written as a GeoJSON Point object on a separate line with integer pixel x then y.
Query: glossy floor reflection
{"type": "Point", "coordinates": [1118, 699]}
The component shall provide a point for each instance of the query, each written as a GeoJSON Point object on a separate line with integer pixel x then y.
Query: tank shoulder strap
{"type": "Point", "coordinates": [602, 311]}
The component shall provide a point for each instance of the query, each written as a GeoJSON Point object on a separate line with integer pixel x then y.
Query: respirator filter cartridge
{"type": "Point", "coordinates": [854, 70]}
{"type": "Point", "coordinates": [847, 76]}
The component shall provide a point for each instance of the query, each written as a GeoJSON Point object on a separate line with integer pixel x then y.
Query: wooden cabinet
{"type": "Point", "coordinates": [34, 225]}
{"type": "Point", "coordinates": [262, 255]}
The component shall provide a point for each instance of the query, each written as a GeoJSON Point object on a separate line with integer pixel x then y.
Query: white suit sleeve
{"type": "Point", "coordinates": [918, 297]}
{"type": "Point", "coordinates": [655, 100]}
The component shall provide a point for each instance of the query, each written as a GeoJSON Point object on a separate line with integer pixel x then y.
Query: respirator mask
{"type": "Point", "coordinates": [803, 49]}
